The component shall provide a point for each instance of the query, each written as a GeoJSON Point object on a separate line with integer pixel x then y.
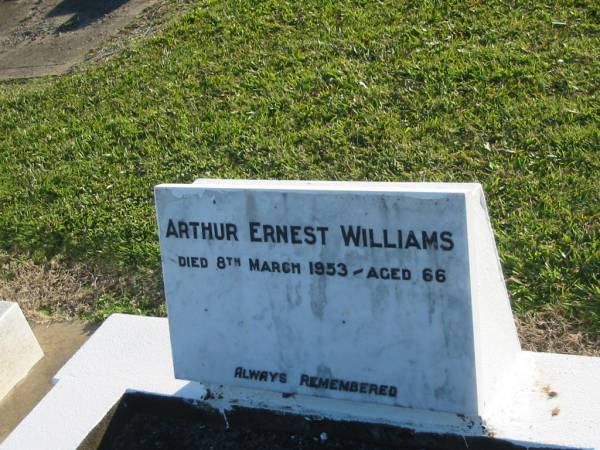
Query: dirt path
{"type": "Point", "coordinates": [47, 37]}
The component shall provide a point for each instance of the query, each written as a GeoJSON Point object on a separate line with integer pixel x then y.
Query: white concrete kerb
{"type": "Point", "coordinates": [19, 349]}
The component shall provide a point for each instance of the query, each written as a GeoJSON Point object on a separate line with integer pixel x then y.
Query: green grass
{"type": "Point", "coordinates": [503, 93]}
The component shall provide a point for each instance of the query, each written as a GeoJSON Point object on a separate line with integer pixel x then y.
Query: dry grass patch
{"type": "Point", "coordinates": [61, 291]}
{"type": "Point", "coordinates": [549, 330]}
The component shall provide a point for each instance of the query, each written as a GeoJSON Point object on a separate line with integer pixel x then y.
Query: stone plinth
{"type": "Point", "coordinates": [389, 293]}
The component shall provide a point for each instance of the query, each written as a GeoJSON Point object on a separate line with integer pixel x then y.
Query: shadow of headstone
{"type": "Point", "coordinates": [83, 12]}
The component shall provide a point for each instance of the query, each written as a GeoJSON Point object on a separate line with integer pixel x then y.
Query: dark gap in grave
{"type": "Point", "coordinates": [148, 421]}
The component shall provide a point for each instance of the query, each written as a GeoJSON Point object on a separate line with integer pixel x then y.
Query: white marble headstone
{"type": "Point", "coordinates": [377, 292]}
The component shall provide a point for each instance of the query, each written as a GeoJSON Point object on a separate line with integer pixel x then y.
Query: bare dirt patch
{"type": "Point", "coordinates": [48, 37]}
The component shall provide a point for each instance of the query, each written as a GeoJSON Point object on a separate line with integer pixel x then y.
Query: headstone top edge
{"type": "Point", "coordinates": [332, 186]}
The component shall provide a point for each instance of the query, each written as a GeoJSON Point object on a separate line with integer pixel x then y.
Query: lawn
{"type": "Point", "coordinates": [503, 93]}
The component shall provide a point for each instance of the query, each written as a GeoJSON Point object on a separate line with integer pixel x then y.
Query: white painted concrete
{"type": "Point", "coordinates": [126, 352]}
{"type": "Point", "coordinates": [558, 402]}
{"type": "Point", "coordinates": [495, 336]}
{"type": "Point", "coordinates": [19, 349]}
{"type": "Point", "coordinates": [133, 353]}
{"type": "Point", "coordinates": [433, 344]}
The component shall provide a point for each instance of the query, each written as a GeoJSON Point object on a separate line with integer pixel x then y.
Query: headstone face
{"type": "Point", "coordinates": [358, 291]}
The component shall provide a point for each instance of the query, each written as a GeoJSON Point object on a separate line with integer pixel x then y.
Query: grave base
{"type": "Point", "coordinates": [145, 421]}
{"type": "Point", "coordinates": [552, 403]}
